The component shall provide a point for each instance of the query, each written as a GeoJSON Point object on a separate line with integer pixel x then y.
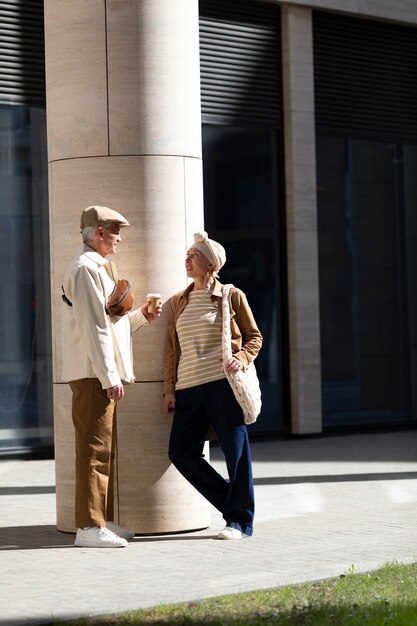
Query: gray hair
{"type": "Point", "coordinates": [88, 232]}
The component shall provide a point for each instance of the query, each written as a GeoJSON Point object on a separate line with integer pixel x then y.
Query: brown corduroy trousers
{"type": "Point", "coordinates": [94, 418]}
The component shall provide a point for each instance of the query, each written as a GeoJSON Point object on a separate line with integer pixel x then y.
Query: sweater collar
{"type": "Point", "coordinates": [217, 289]}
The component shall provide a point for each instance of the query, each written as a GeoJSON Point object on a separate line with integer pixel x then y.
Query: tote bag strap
{"type": "Point", "coordinates": [226, 334]}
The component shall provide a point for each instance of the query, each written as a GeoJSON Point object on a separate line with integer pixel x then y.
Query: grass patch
{"type": "Point", "coordinates": [385, 596]}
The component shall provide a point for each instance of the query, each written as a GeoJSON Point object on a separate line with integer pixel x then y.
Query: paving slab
{"type": "Point", "coordinates": [324, 504]}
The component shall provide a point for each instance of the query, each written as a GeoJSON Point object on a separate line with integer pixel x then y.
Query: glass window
{"type": "Point", "coordinates": [240, 200]}
{"type": "Point", "coordinates": [367, 227]}
{"type": "Point", "coordinates": [25, 342]}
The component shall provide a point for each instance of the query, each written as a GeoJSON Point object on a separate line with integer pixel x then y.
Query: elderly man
{"type": "Point", "coordinates": [97, 361]}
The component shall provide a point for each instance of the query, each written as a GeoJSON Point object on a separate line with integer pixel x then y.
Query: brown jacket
{"type": "Point", "coordinates": [246, 338]}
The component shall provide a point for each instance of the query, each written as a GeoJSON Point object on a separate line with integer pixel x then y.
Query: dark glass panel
{"type": "Point", "coordinates": [240, 198]}
{"type": "Point", "coordinates": [25, 343]}
{"type": "Point", "coordinates": [364, 282]}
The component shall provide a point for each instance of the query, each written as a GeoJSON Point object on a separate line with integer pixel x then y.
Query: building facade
{"type": "Point", "coordinates": [304, 128]}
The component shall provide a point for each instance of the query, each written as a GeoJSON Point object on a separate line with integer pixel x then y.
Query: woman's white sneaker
{"type": "Point", "coordinates": [96, 537]}
{"type": "Point", "coordinates": [120, 531]}
{"type": "Point", "coordinates": [231, 533]}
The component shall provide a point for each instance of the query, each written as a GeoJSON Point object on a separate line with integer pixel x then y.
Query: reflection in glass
{"type": "Point", "coordinates": [25, 344]}
{"type": "Point", "coordinates": [366, 207]}
{"type": "Point", "coordinates": [240, 202]}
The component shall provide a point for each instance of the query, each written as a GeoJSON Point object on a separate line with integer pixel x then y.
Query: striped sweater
{"type": "Point", "coordinates": [199, 329]}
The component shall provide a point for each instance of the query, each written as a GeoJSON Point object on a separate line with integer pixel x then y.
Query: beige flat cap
{"type": "Point", "coordinates": [100, 215]}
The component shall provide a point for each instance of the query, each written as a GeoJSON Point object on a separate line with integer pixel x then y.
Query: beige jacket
{"type": "Point", "coordinates": [95, 345]}
{"type": "Point", "coordinates": [246, 338]}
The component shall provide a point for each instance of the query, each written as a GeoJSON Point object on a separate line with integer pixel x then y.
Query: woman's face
{"type": "Point", "coordinates": [196, 264]}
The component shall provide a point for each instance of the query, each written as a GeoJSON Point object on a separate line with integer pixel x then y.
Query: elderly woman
{"type": "Point", "coordinates": [197, 390]}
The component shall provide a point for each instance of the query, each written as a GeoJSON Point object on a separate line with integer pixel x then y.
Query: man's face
{"type": "Point", "coordinates": [108, 237]}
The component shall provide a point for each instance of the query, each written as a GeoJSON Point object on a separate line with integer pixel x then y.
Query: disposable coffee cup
{"type": "Point", "coordinates": [153, 300]}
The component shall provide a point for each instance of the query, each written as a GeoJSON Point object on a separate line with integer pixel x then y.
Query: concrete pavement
{"type": "Point", "coordinates": [323, 505]}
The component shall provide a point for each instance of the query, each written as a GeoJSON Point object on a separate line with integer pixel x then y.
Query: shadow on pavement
{"type": "Point", "coordinates": [396, 446]}
{"type": "Point", "coordinates": [334, 478]}
{"type": "Point", "coordinates": [34, 538]}
{"type": "Point", "coordinates": [179, 537]}
{"type": "Point", "coordinates": [26, 491]}
{"type": "Point", "coordinates": [46, 537]}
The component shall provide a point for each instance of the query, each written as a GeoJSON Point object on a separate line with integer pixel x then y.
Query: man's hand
{"type": "Point", "coordinates": [115, 393]}
{"type": "Point", "coordinates": [169, 403]}
{"type": "Point", "coordinates": [151, 316]}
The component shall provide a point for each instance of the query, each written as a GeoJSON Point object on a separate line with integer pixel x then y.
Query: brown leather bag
{"type": "Point", "coordinates": [121, 298]}
{"type": "Point", "coordinates": [120, 301]}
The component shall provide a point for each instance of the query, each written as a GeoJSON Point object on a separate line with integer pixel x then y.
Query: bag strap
{"type": "Point", "coordinates": [64, 297]}
{"type": "Point", "coordinates": [111, 270]}
{"type": "Point", "coordinates": [226, 334]}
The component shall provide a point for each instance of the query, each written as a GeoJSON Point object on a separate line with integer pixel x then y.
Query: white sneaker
{"type": "Point", "coordinates": [231, 533]}
{"type": "Point", "coordinates": [120, 531]}
{"type": "Point", "coordinates": [96, 537]}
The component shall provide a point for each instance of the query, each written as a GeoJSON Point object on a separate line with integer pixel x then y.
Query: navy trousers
{"type": "Point", "coordinates": [196, 408]}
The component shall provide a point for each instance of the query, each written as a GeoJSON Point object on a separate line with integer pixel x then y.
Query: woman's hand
{"type": "Point", "coordinates": [233, 365]}
{"type": "Point", "coordinates": [169, 403]}
{"type": "Point", "coordinates": [151, 316]}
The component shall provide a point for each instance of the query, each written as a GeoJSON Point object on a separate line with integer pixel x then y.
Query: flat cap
{"type": "Point", "coordinates": [100, 215]}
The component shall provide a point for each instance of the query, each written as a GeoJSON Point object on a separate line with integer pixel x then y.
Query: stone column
{"type": "Point", "coordinates": [124, 130]}
{"type": "Point", "coordinates": [300, 181]}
